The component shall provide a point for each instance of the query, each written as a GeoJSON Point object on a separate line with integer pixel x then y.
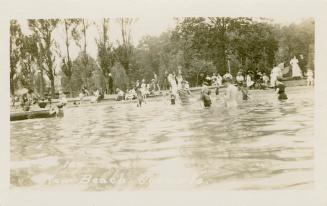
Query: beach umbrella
{"type": "Point", "coordinates": [22, 91]}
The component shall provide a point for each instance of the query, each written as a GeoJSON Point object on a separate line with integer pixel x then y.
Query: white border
{"type": "Point", "coordinates": [147, 9]}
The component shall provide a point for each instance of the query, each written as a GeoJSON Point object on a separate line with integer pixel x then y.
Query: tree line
{"type": "Point", "coordinates": [196, 45]}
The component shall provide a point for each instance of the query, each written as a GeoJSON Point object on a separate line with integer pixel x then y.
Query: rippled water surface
{"type": "Point", "coordinates": [263, 144]}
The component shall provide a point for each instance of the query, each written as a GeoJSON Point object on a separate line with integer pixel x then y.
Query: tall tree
{"type": "Point", "coordinates": [43, 29]}
{"type": "Point", "coordinates": [83, 25]}
{"type": "Point", "coordinates": [106, 58]}
{"type": "Point", "coordinates": [124, 51]}
{"type": "Point", "coordinates": [71, 33]}
{"type": "Point", "coordinates": [28, 61]}
{"type": "Point", "coordinates": [14, 46]}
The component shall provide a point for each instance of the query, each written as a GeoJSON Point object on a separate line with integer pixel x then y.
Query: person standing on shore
{"type": "Point", "coordinates": [296, 71]}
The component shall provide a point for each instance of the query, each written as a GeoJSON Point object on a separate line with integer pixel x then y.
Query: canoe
{"type": "Point", "coordinates": [15, 116]}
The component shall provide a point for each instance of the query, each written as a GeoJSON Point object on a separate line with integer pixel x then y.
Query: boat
{"type": "Point", "coordinates": [16, 116]}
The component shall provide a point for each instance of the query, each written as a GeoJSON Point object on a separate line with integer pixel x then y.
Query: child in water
{"type": "Point", "coordinates": [205, 95]}
{"type": "Point", "coordinates": [280, 89]}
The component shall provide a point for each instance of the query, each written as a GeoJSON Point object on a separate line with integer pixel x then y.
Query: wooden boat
{"type": "Point", "coordinates": [15, 116]}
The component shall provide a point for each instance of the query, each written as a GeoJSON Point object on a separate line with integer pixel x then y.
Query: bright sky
{"type": "Point", "coordinates": [142, 27]}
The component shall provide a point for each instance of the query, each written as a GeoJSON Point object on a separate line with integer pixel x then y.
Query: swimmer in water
{"type": "Point", "coordinates": [280, 89]}
{"type": "Point", "coordinates": [184, 93]}
{"type": "Point", "coordinates": [139, 96]}
{"type": "Point", "coordinates": [205, 95]}
{"type": "Point", "coordinates": [231, 94]}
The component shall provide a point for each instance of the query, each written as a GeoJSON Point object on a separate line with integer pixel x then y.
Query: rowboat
{"type": "Point", "coordinates": [15, 116]}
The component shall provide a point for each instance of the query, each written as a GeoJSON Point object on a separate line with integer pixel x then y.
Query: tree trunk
{"type": "Point", "coordinates": [42, 83]}
{"type": "Point", "coordinates": [12, 86]}
{"type": "Point", "coordinates": [70, 87]}
{"type": "Point", "coordinates": [52, 88]}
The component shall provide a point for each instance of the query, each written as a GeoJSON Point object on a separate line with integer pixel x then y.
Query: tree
{"type": "Point", "coordinates": [106, 57]}
{"type": "Point", "coordinates": [80, 73]}
{"type": "Point", "coordinates": [28, 59]}
{"type": "Point", "coordinates": [43, 30]}
{"type": "Point", "coordinates": [82, 28]}
{"type": "Point", "coordinates": [124, 51]}
{"type": "Point", "coordinates": [14, 46]}
{"type": "Point", "coordinates": [71, 32]}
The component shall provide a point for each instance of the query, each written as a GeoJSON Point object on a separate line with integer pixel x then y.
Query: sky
{"type": "Point", "coordinates": [142, 27]}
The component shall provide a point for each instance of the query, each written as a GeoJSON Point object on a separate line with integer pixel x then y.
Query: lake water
{"type": "Point", "coordinates": [263, 144]}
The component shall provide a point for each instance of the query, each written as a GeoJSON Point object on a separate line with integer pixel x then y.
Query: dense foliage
{"type": "Point", "coordinates": [196, 45]}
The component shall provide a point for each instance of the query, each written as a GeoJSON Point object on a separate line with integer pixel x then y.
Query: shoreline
{"type": "Point", "coordinates": [164, 93]}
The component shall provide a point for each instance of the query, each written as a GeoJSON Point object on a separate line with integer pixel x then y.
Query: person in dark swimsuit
{"type": "Point", "coordinates": [280, 90]}
{"type": "Point", "coordinates": [205, 95]}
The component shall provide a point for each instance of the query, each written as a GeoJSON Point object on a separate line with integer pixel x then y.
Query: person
{"type": "Point", "coordinates": [111, 84]}
{"type": "Point", "coordinates": [81, 97]}
{"type": "Point", "coordinates": [139, 96]}
{"type": "Point", "coordinates": [215, 83]}
{"type": "Point", "coordinates": [24, 103]}
{"type": "Point", "coordinates": [137, 84]}
{"type": "Point", "coordinates": [179, 79]}
{"type": "Point", "coordinates": [245, 92]}
{"type": "Point", "coordinates": [95, 96]}
{"type": "Point", "coordinates": [152, 87]}
{"type": "Point", "coordinates": [173, 88]}
{"type": "Point", "coordinates": [280, 89]}
{"type": "Point", "coordinates": [309, 77]}
{"type": "Point", "coordinates": [265, 80]}
{"type": "Point", "coordinates": [165, 81]}
{"type": "Point", "coordinates": [258, 80]}
{"type": "Point", "coordinates": [275, 73]}
{"type": "Point", "coordinates": [213, 79]}
{"type": "Point", "coordinates": [144, 89]}
{"type": "Point", "coordinates": [231, 94]}
{"type": "Point", "coordinates": [156, 82]}
{"type": "Point", "coordinates": [205, 95]}
{"type": "Point", "coordinates": [239, 79]}
{"type": "Point", "coordinates": [120, 95]}
{"type": "Point", "coordinates": [184, 93]}
{"type": "Point", "coordinates": [296, 71]}
{"type": "Point", "coordinates": [219, 80]}
{"type": "Point", "coordinates": [64, 100]}
{"type": "Point", "coordinates": [131, 94]}
{"type": "Point", "coordinates": [228, 75]}
{"type": "Point", "coordinates": [207, 80]}
{"type": "Point", "coordinates": [249, 82]}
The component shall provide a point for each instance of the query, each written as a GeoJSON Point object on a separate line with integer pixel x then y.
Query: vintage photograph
{"type": "Point", "coordinates": [180, 103]}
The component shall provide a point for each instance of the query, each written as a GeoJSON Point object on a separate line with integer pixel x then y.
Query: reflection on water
{"type": "Point", "coordinates": [264, 144]}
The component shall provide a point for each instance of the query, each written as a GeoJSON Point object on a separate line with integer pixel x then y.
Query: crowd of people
{"type": "Point", "coordinates": [179, 87]}
{"type": "Point", "coordinates": [140, 88]}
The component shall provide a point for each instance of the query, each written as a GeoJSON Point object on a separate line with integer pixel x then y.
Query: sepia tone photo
{"type": "Point", "coordinates": [180, 103]}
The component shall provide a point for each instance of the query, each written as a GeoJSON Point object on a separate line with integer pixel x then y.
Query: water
{"type": "Point", "coordinates": [264, 144]}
